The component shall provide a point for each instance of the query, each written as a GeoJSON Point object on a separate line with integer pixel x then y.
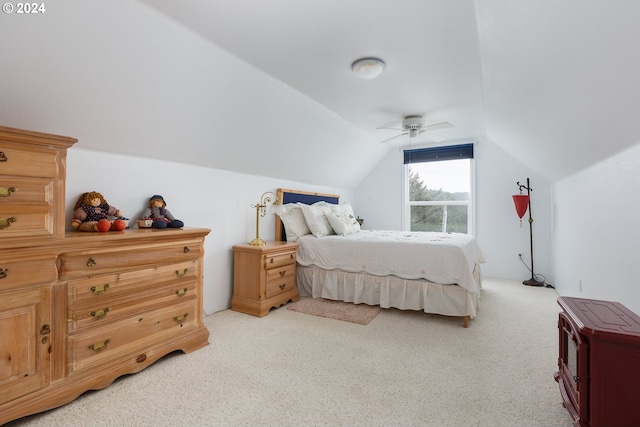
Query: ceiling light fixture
{"type": "Point", "coordinates": [368, 68]}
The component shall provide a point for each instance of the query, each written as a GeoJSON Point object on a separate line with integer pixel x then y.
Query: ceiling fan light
{"type": "Point", "coordinates": [368, 68]}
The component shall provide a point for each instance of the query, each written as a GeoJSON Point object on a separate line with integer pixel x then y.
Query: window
{"type": "Point", "coordinates": [438, 189]}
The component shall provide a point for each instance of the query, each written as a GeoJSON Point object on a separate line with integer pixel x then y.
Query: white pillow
{"type": "Point", "coordinates": [294, 222]}
{"type": "Point", "coordinates": [316, 220]}
{"type": "Point", "coordinates": [341, 223]}
{"type": "Point", "coordinates": [346, 209]}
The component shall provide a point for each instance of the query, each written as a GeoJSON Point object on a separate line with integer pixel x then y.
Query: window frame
{"type": "Point", "coordinates": [406, 203]}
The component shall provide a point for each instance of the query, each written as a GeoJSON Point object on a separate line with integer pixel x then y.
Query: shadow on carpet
{"type": "Point", "coordinates": [345, 311]}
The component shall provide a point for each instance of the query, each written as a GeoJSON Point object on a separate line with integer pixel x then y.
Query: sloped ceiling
{"type": "Point", "coordinates": [558, 80]}
{"type": "Point", "coordinates": [265, 87]}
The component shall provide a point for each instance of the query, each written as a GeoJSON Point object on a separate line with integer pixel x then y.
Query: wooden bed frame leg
{"type": "Point", "coordinates": [466, 321]}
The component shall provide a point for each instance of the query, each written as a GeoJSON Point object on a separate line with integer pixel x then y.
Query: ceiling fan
{"type": "Point", "coordinates": [414, 126]}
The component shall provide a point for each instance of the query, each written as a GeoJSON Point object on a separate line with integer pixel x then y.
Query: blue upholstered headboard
{"type": "Point", "coordinates": [295, 196]}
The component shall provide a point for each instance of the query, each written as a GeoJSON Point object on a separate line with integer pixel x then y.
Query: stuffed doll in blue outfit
{"type": "Point", "coordinates": [160, 215]}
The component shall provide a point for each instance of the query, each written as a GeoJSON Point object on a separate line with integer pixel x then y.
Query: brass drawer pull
{"type": "Point", "coordinates": [3, 272]}
{"type": "Point", "coordinates": [291, 256]}
{"type": "Point", "coordinates": [182, 292]}
{"type": "Point", "coordinates": [98, 290]}
{"type": "Point", "coordinates": [282, 273]}
{"type": "Point", "coordinates": [272, 261]}
{"type": "Point", "coordinates": [282, 286]}
{"type": "Point", "coordinates": [3, 158]}
{"type": "Point", "coordinates": [6, 222]}
{"type": "Point", "coordinates": [7, 191]}
{"type": "Point", "coordinates": [186, 249]}
{"type": "Point", "coordinates": [98, 347]}
{"type": "Point", "coordinates": [182, 272]}
{"type": "Point", "coordinates": [180, 319]}
{"type": "Point", "coordinates": [99, 314]}
{"type": "Point", "coordinates": [91, 262]}
{"type": "Point", "coordinates": [46, 330]}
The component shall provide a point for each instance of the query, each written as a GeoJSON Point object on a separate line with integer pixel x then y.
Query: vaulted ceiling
{"type": "Point", "coordinates": [554, 83]}
{"type": "Point", "coordinates": [265, 87]}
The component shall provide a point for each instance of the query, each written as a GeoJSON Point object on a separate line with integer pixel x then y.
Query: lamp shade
{"type": "Point", "coordinates": [522, 202]}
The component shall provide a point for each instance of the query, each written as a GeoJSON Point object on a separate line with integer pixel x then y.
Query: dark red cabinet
{"type": "Point", "coordinates": [599, 362]}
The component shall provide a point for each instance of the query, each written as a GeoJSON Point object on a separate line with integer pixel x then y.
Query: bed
{"type": "Point", "coordinates": [437, 273]}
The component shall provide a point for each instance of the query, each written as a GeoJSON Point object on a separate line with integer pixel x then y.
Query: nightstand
{"type": "Point", "coordinates": [264, 277]}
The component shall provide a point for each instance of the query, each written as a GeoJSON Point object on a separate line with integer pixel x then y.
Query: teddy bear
{"type": "Point", "coordinates": [92, 213]}
{"type": "Point", "coordinates": [160, 216]}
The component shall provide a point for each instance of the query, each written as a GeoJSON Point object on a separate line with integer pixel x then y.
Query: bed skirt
{"type": "Point", "coordinates": [387, 291]}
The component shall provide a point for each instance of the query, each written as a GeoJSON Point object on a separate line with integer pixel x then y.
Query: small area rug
{"type": "Point", "coordinates": [346, 311]}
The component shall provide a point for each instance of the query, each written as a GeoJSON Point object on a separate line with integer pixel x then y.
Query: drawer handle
{"type": "Point", "coordinates": [91, 262]}
{"type": "Point", "coordinates": [182, 272]}
{"type": "Point", "coordinates": [272, 261]}
{"type": "Point", "coordinates": [99, 314]}
{"type": "Point", "coordinates": [96, 348]}
{"type": "Point", "coordinates": [3, 158]}
{"type": "Point", "coordinates": [46, 330]}
{"type": "Point", "coordinates": [282, 286]}
{"type": "Point", "coordinates": [182, 292]}
{"type": "Point", "coordinates": [180, 319]}
{"type": "Point", "coordinates": [282, 273]}
{"type": "Point", "coordinates": [186, 250]}
{"type": "Point", "coordinates": [98, 290]}
{"type": "Point", "coordinates": [6, 222]}
{"type": "Point", "coordinates": [291, 256]}
{"type": "Point", "coordinates": [3, 272]}
{"type": "Point", "coordinates": [7, 191]}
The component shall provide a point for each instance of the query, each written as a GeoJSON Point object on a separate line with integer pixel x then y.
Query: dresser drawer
{"type": "Point", "coordinates": [22, 220]}
{"type": "Point", "coordinates": [26, 190]}
{"type": "Point", "coordinates": [18, 274]}
{"type": "Point", "coordinates": [97, 290]}
{"type": "Point", "coordinates": [278, 260]}
{"type": "Point", "coordinates": [92, 263]}
{"type": "Point", "coordinates": [98, 313]}
{"type": "Point", "coordinates": [95, 346]}
{"type": "Point", "coordinates": [26, 160]}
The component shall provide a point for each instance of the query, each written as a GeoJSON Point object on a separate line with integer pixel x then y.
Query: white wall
{"type": "Point", "coordinates": [378, 200]}
{"type": "Point", "coordinates": [211, 198]}
{"type": "Point", "coordinates": [597, 234]}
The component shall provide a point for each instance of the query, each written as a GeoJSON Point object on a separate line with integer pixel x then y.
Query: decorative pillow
{"type": "Point", "coordinates": [346, 209]}
{"type": "Point", "coordinates": [316, 220]}
{"type": "Point", "coordinates": [294, 222]}
{"type": "Point", "coordinates": [341, 223]}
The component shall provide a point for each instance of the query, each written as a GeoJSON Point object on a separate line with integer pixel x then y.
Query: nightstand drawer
{"type": "Point", "coordinates": [130, 335]}
{"type": "Point", "coordinates": [91, 263]}
{"type": "Point", "coordinates": [278, 260]}
{"type": "Point", "coordinates": [280, 285]}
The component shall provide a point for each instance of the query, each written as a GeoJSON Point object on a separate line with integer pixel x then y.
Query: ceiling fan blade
{"type": "Point", "coordinates": [391, 128]}
{"type": "Point", "coordinates": [442, 125]}
{"type": "Point", "coordinates": [393, 137]}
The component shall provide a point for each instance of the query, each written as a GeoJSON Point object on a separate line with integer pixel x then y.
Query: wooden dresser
{"type": "Point", "coordinates": [264, 277]}
{"type": "Point", "coordinates": [79, 309]}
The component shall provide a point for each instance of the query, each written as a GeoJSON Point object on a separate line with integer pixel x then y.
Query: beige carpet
{"type": "Point", "coordinates": [338, 310]}
{"type": "Point", "coordinates": [404, 368]}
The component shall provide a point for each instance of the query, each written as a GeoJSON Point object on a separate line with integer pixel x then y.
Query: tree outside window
{"type": "Point", "coordinates": [439, 196]}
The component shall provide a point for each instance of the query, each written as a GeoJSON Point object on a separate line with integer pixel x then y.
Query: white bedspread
{"type": "Point", "coordinates": [445, 258]}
